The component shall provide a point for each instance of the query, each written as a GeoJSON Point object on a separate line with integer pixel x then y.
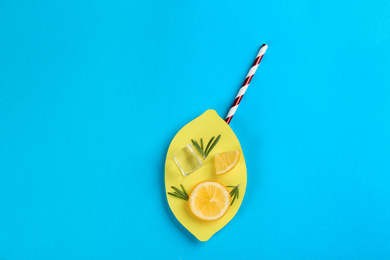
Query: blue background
{"type": "Point", "coordinates": [92, 93]}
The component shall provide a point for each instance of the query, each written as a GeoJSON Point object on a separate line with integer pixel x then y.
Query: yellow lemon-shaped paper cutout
{"type": "Point", "coordinates": [206, 126]}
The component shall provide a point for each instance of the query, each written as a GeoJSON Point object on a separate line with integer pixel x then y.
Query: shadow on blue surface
{"type": "Point", "coordinates": [166, 206]}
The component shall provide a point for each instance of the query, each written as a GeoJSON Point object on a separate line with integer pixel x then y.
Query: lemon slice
{"type": "Point", "coordinates": [209, 200]}
{"type": "Point", "coordinates": [224, 162]}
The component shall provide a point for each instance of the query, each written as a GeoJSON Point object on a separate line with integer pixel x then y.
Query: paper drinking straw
{"type": "Point", "coordinates": [245, 85]}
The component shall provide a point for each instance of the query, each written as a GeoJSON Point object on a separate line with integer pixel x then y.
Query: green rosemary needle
{"type": "Point", "coordinates": [208, 145]}
{"type": "Point", "coordinates": [175, 195]}
{"type": "Point", "coordinates": [212, 146]}
{"type": "Point", "coordinates": [178, 193]}
{"type": "Point", "coordinates": [184, 190]}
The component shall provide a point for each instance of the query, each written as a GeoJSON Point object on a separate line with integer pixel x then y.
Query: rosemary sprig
{"type": "Point", "coordinates": [178, 193]}
{"type": "Point", "coordinates": [210, 145]}
{"type": "Point", "coordinates": [234, 193]}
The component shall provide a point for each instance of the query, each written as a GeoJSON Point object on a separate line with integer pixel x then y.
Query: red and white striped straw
{"type": "Point", "coordinates": [245, 85]}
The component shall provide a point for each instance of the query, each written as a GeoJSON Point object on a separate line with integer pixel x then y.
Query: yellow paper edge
{"type": "Point", "coordinates": [205, 126]}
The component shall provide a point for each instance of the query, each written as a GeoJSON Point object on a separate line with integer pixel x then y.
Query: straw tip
{"type": "Point", "coordinates": [263, 49]}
